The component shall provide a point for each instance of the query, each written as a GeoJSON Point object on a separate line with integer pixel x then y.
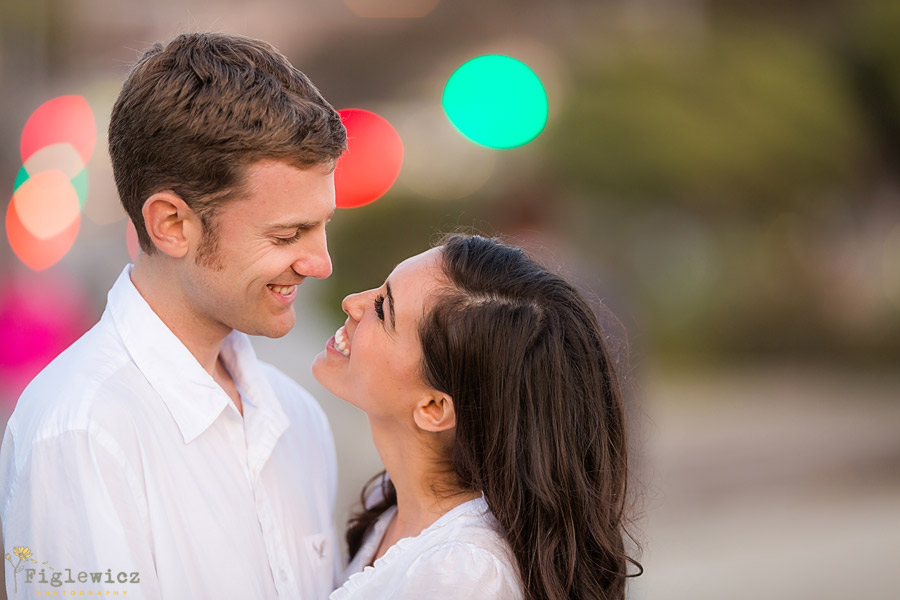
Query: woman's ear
{"type": "Point", "coordinates": [171, 224]}
{"type": "Point", "coordinates": [435, 413]}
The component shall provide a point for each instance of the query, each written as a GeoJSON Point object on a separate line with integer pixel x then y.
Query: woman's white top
{"type": "Point", "coordinates": [461, 555]}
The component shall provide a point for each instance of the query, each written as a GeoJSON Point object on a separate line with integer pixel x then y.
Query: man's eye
{"type": "Point", "coordinates": [289, 240]}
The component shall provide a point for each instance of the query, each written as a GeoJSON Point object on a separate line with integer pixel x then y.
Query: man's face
{"type": "Point", "coordinates": [268, 240]}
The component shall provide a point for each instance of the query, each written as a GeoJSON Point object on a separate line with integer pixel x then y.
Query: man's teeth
{"type": "Point", "coordinates": [341, 343]}
{"type": "Point", "coordinates": [284, 290]}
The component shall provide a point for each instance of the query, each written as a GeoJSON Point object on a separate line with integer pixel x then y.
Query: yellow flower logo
{"type": "Point", "coordinates": [23, 554]}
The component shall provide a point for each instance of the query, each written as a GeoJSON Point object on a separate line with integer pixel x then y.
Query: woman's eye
{"type": "Point", "coordinates": [379, 307]}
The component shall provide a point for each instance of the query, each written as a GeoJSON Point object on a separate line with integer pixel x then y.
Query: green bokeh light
{"type": "Point", "coordinates": [21, 178]}
{"type": "Point", "coordinates": [79, 182]}
{"type": "Point", "coordinates": [496, 101]}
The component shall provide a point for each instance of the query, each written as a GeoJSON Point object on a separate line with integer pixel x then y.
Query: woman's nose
{"type": "Point", "coordinates": [352, 304]}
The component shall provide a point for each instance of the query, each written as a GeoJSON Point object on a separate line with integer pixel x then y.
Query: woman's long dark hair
{"type": "Point", "coordinates": [540, 418]}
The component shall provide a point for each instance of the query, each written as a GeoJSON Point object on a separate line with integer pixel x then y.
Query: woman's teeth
{"type": "Point", "coordinates": [341, 343]}
{"type": "Point", "coordinates": [284, 290]}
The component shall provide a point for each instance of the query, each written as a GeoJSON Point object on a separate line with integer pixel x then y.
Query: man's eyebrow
{"type": "Point", "coordinates": [390, 298]}
{"type": "Point", "coordinates": [301, 225]}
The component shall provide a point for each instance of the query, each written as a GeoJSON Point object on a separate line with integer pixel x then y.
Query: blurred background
{"type": "Point", "coordinates": [723, 175]}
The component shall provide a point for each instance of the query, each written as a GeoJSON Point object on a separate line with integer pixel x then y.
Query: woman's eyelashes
{"type": "Point", "coordinates": [379, 307]}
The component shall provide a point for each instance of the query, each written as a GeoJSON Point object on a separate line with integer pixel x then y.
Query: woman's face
{"type": "Point", "coordinates": [374, 360]}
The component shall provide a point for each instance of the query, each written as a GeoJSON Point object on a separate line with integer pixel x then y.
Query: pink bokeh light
{"type": "Point", "coordinates": [36, 325]}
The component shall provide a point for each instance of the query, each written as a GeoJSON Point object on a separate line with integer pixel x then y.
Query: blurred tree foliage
{"type": "Point", "coordinates": [725, 188]}
{"type": "Point", "coordinates": [750, 117]}
{"type": "Point", "coordinates": [870, 48]}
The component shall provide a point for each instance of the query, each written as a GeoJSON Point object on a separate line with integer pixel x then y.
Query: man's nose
{"type": "Point", "coordinates": [315, 262]}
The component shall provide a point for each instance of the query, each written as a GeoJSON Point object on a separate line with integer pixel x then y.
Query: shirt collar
{"type": "Point", "coordinates": [191, 395]}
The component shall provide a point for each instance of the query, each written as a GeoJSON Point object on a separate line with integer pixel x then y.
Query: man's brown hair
{"type": "Point", "coordinates": [193, 115]}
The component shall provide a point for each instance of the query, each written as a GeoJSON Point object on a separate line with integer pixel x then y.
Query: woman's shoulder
{"type": "Point", "coordinates": [465, 545]}
{"type": "Point", "coordinates": [475, 557]}
{"type": "Point", "coordinates": [470, 524]}
{"type": "Point", "coordinates": [461, 568]}
{"type": "Point", "coordinates": [460, 555]}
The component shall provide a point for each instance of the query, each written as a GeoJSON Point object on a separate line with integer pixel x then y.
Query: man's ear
{"type": "Point", "coordinates": [435, 413]}
{"type": "Point", "coordinates": [171, 224]}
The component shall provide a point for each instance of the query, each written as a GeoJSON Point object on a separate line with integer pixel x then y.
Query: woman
{"type": "Point", "coordinates": [495, 408]}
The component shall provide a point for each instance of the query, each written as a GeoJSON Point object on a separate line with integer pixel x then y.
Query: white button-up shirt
{"type": "Point", "coordinates": [461, 555]}
{"type": "Point", "coordinates": [124, 455]}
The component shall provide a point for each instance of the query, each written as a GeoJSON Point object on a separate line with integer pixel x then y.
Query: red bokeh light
{"type": "Point", "coordinates": [372, 162]}
{"type": "Point", "coordinates": [63, 119]}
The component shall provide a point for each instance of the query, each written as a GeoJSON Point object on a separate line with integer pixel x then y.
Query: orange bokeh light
{"type": "Point", "coordinates": [46, 204]}
{"type": "Point", "coordinates": [35, 253]}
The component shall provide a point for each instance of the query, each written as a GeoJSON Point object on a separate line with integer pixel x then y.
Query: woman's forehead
{"type": "Point", "coordinates": [427, 263]}
{"type": "Point", "coordinates": [416, 277]}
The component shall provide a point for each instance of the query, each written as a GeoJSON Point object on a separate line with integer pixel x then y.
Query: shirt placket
{"type": "Point", "coordinates": [273, 535]}
{"type": "Point", "coordinates": [277, 552]}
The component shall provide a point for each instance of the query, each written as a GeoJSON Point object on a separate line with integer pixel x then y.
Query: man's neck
{"type": "Point", "coordinates": [202, 338]}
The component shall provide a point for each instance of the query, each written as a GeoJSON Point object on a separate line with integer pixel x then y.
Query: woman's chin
{"type": "Point", "coordinates": [326, 376]}
{"type": "Point", "coordinates": [322, 373]}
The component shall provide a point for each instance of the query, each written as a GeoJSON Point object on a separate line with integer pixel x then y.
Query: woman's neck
{"type": "Point", "coordinates": [425, 484]}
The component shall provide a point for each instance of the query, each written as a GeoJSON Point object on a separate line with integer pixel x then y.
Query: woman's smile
{"type": "Point", "coordinates": [341, 341]}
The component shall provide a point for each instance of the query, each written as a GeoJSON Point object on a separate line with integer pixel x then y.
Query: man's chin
{"type": "Point", "coordinates": [275, 335]}
{"type": "Point", "coordinates": [272, 329]}
{"type": "Point", "coordinates": [279, 332]}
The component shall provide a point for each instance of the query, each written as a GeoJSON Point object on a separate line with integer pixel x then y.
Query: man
{"type": "Point", "coordinates": [157, 450]}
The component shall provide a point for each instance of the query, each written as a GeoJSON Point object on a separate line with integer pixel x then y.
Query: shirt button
{"type": "Point", "coordinates": [283, 574]}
